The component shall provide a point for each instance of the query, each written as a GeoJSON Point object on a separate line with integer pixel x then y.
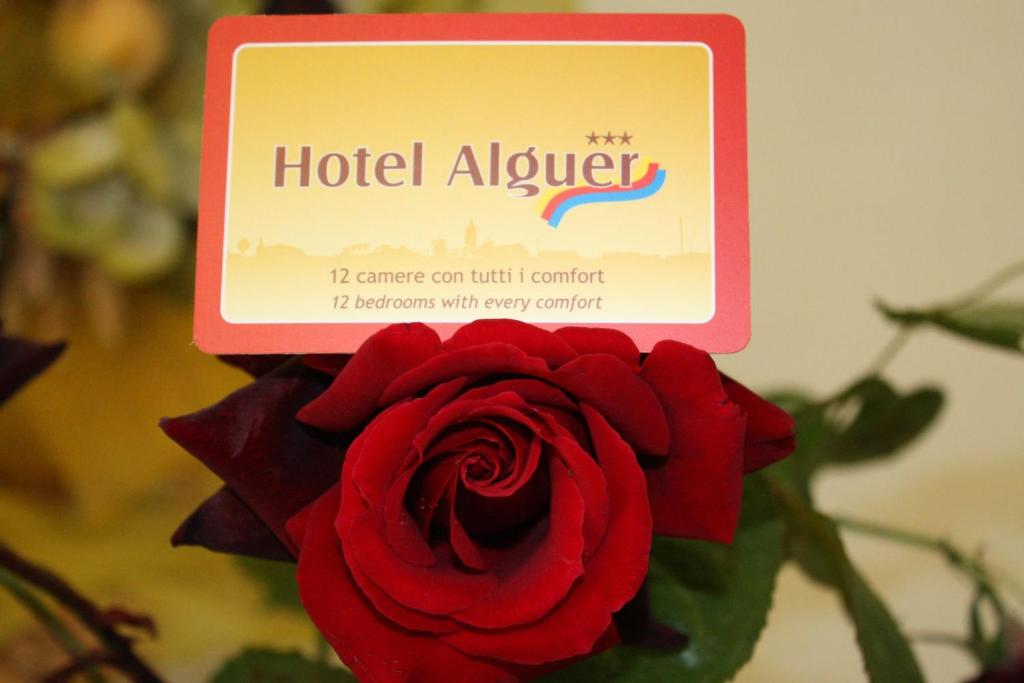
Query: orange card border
{"type": "Point", "coordinates": [727, 331]}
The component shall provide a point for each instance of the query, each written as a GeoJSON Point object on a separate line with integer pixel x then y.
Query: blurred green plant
{"type": "Point", "coordinates": [99, 147]}
{"type": "Point", "coordinates": [720, 596]}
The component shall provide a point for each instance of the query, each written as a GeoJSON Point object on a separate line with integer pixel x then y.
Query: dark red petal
{"type": "Point", "coordinates": [21, 360]}
{"type": "Point", "coordinates": [404, 535]}
{"type": "Point", "coordinates": [296, 526]}
{"type": "Point", "coordinates": [533, 391]}
{"type": "Point", "coordinates": [390, 608]}
{"type": "Point", "coordinates": [352, 397]}
{"type": "Point", "coordinates": [637, 625]}
{"type": "Point", "coordinates": [464, 547]}
{"type": "Point", "coordinates": [484, 512]}
{"type": "Point", "coordinates": [696, 492]}
{"type": "Point", "coordinates": [533, 340]}
{"type": "Point", "coordinates": [252, 441]}
{"type": "Point", "coordinates": [472, 361]}
{"type": "Point", "coordinates": [372, 646]}
{"type": "Point", "coordinates": [388, 439]}
{"type": "Point", "coordinates": [626, 401]}
{"type": "Point", "coordinates": [685, 374]}
{"type": "Point", "coordinates": [771, 432]}
{"type": "Point", "coordinates": [601, 340]}
{"type": "Point", "coordinates": [410, 619]}
{"type": "Point", "coordinates": [590, 480]}
{"type": "Point", "coordinates": [328, 363]}
{"type": "Point", "coordinates": [224, 524]}
{"type": "Point", "coordinates": [439, 590]}
{"type": "Point", "coordinates": [255, 365]}
{"type": "Point", "coordinates": [611, 577]}
{"type": "Point", "coordinates": [363, 535]}
{"type": "Point", "coordinates": [534, 583]}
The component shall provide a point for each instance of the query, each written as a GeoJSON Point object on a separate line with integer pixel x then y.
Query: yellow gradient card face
{"type": "Point", "coordinates": [552, 181]}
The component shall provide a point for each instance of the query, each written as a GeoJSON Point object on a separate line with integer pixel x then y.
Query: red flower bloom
{"type": "Point", "coordinates": [498, 494]}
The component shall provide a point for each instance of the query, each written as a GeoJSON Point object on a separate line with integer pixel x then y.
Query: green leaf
{"type": "Point", "coordinates": [866, 421]}
{"type": "Point", "coordinates": [146, 159]}
{"type": "Point", "coordinates": [880, 421]}
{"type": "Point", "coordinates": [999, 324]}
{"type": "Point", "coordinates": [813, 434]}
{"type": "Point", "coordinates": [814, 542]}
{"type": "Point", "coordinates": [81, 220]}
{"type": "Point", "coordinates": [276, 580]}
{"type": "Point", "coordinates": [270, 666]}
{"type": "Point", "coordinates": [76, 153]}
{"type": "Point", "coordinates": [718, 595]}
{"type": "Point", "coordinates": [148, 245]}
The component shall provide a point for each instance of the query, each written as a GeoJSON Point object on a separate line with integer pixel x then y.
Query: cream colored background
{"type": "Point", "coordinates": [886, 147]}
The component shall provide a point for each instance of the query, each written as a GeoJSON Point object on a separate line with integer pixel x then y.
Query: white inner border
{"type": "Point", "coordinates": [711, 145]}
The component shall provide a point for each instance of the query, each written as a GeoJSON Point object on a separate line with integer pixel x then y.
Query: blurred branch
{"type": "Point", "coordinates": [118, 650]}
{"type": "Point", "coordinates": [983, 290]}
{"type": "Point", "coordinates": [891, 350]}
{"type": "Point", "coordinates": [956, 557]}
{"type": "Point", "coordinates": [85, 662]}
{"type": "Point", "coordinates": [48, 620]}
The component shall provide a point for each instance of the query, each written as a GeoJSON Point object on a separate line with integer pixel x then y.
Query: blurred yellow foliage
{"type": "Point", "coordinates": [101, 489]}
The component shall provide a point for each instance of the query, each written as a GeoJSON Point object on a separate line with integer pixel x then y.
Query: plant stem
{"type": "Point", "coordinates": [47, 619]}
{"type": "Point", "coordinates": [954, 556]}
{"type": "Point", "coordinates": [120, 649]}
{"type": "Point", "coordinates": [985, 288]}
{"type": "Point", "coordinates": [891, 349]}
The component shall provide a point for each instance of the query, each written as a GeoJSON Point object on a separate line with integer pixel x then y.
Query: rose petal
{"type": "Point", "coordinates": [403, 534]}
{"type": "Point", "coordinates": [612, 576]}
{"type": "Point", "coordinates": [532, 391]}
{"type": "Point", "coordinates": [296, 526]}
{"type": "Point", "coordinates": [601, 340]}
{"type": "Point", "coordinates": [771, 432]}
{"type": "Point", "coordinates": [484, 512]}
{"type": "Point", "coordinates": [224, 524]}
{"type": "Point", "coordinates": [411, 619]}
{"type": "Point", "coordinates": [531, 339]}
{"type": "Point", "coordinates": [387, 441]}
{"type": "Point", "coordinates": [464, 547]}
{"type": "Point", "coordinates": [440, 589]}
{"type": "Point", "coordinates": [535, 583]}
{"type": "Point", "coordinates": [352, 397]}
{"type": "Point", "coordinates": [591, 482]}
{"type": "Point", "coordinates": [372, 646]}
{"type": "Point", "coordinates": [696, 493]}
{"type": "Point", "coordinates": [328, 363]}
{"type": "Point", "coordinates": [252, 441]}
{"type": "Point", "coordinates": [637, 625]}
{"type": "Point", "coordinates": [472, 361]}
{"type": "Point", "coordinates": [626, 401]}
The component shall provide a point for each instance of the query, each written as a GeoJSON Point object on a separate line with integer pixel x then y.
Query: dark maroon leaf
{"type": "Point", "coordinates": [21, 360]}
{"type": "Point", "coordinates": [253, 442]}
{"type": "Point", "coordinates": [224, 524]}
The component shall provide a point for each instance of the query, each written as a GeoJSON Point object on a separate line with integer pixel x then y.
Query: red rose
{"type": "Point", "coordinates": [498, 494]}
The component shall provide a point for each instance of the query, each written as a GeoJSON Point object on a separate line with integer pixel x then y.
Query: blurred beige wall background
{"type": "Point", "coordinates": [886, 159]}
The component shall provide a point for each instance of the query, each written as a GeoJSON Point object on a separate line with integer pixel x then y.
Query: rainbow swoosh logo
{"type": "Point", "coordinates": [556, 207]}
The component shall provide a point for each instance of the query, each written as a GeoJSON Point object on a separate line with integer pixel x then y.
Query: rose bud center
{"type": "Point", "coordinates": [488, 477]}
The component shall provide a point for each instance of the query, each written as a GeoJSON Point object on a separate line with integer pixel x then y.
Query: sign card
{"type": "Point", "coordinates": [364, 170]}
